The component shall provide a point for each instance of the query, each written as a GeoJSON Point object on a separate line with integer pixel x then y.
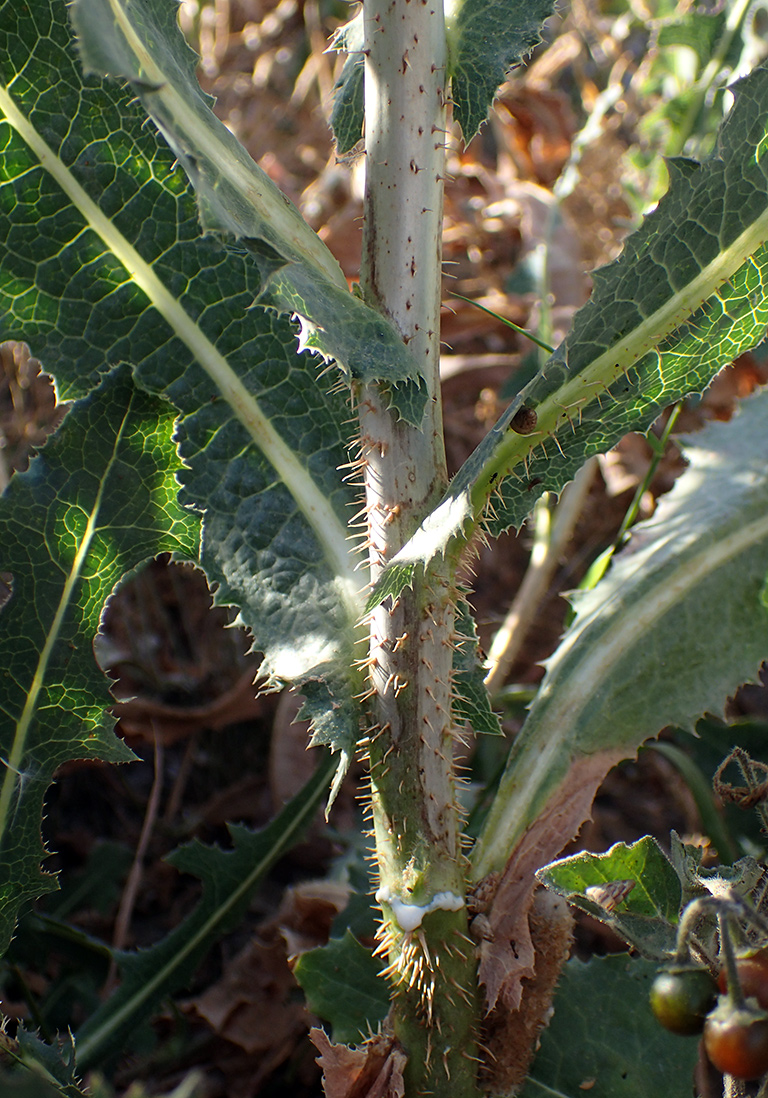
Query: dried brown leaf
{"type": "Point", "coordinates": [254, 1005]}
{"type": "Point", "coordinates": [373, 1071]}
{"type": "Point", "coordinates": [510, 1037]}
{"type": "Point", "coordinates": [508, 957]}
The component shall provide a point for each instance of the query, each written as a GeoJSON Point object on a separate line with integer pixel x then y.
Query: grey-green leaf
{"type": "Point", "coordinates": [97, 501]}
{"type": "Point", "coordinates": [141, 43]}
{"type": "Point", "coordinates": [486, 38]}
{"type": "Point", "coordinates": [471, 701]}
{"type": "Point", "coordinates": [348, 93]}
{"type": "Point", "coordinates": [672, 629]}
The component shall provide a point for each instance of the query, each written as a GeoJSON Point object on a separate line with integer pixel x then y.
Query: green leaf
{"type": "Point", "coordinates": [342, 983]}
{"type": "Point", "coordinates": [347, 113]}
{"type": "Point", "coordinates": [604, 1041]}
{"type": "Point", "coordinates": [66, 542]}
{"type": "Point", "coordinates": [672, 629]}
{"type": "Point", "coordinates": [337, 325]}
{"type": "Point", "coordinates": [56, 1064]}
{"type": "Point", "coordinates": [229, 879]}
{"type": "Point", "coordinates": [486, 38]}
{"type": "Point", "coordinates": [104, 264]}
{"type": "Point", "coordinates": [28, 1085]}
{"type": "Point", "coordinates": [471, 702]}
{"type": "Point", "coordinates": [647, 916]}
{"type": "Point", "coordinates": [348, 92]}
{"type": "Point", "coordinates": [685, 298]}
{"type": "Point", "coordinates": [140, 42]}
{"type": "Point", "coordinates": [698, 30]}
{"type": "Point", "coordinates": [45, 1071]}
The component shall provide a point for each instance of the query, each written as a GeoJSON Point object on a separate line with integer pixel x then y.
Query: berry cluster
{"type": "Point", "coordinates": [684, 999]}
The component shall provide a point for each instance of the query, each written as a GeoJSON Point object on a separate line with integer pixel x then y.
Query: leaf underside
{"type": "Point", "coordinates": [348, 93]}
{"type": "Point", "coordinates": [486, 38]}
{"type": "Point", "coordinates": [471, 701]}
{"type": "Point", "coordinates": [672, 630]}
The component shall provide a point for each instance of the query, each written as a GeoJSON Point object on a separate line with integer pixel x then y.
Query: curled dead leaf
{"type": "Point", "coordinates": [375, 1070]}
{"type": "Point", "coordinates": [507, 958]}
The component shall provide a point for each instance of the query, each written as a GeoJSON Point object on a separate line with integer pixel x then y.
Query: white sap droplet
{"type": "Point", "coordinates": [409, 916]}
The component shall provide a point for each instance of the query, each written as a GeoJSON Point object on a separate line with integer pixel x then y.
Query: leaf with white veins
{"type": "Point", "coordinates": [486, 38]}
{"type": "Point", "coordinates": [685, 297]}
{"type": "Point", "coordinates": [348, 93]}
{"type": "Point", "coordinates": [104, 264]}
{"type": "Point", "coordinates": [140, 41]}
{"type": "Point", "coordinates": [67, 541]}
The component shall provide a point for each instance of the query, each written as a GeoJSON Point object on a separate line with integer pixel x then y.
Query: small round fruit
{"type": "Point", "coordinates": [736, 1041]}
{"type": "Point", "coordinates": [753, 976]}
{"type": "Point", "coordinates": [682, 997]}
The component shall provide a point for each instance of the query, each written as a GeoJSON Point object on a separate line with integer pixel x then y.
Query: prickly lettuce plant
{"type": "Point", "coordinates": [160, 281]}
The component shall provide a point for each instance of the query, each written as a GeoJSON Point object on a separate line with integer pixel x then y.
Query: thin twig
{"type": "Point", "coordinates": [133, 883]}
{"type": "Point", "coordinates": [510, 637]}
{"type": "Point", "coordinates": [179, 786]}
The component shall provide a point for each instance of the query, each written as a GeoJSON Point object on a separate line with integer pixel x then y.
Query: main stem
{"type": "Point", "coordinates": [431, 959]}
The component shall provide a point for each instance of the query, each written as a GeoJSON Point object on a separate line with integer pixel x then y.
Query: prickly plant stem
{"type": "Point", "coordinates": [431, 961]}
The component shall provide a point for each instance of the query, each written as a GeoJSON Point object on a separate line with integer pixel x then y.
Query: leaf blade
{"type": "Point", "coordinates": [343, 986]}
{"type": "Point", "coordinates": [647, 917]}
{"type": "Point", "coordinates": [683, 299]}
{"type": "Point", "coordinates": [141, 42]}
{"type": "Point", "coordinates": [229, 879]}
{"type": "Point", "coordinates": [486, 38]}
{"type": "Point", "coordinates": [604, 1039]}
{"type": "Point", "coordinates": [639, 654]}
{"type": "Point", "coordinates": [66, 544]}
{"type": "Point", "coordinates": [105, 265]}
{"type": "Point", "coordinates": [347, 114]}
